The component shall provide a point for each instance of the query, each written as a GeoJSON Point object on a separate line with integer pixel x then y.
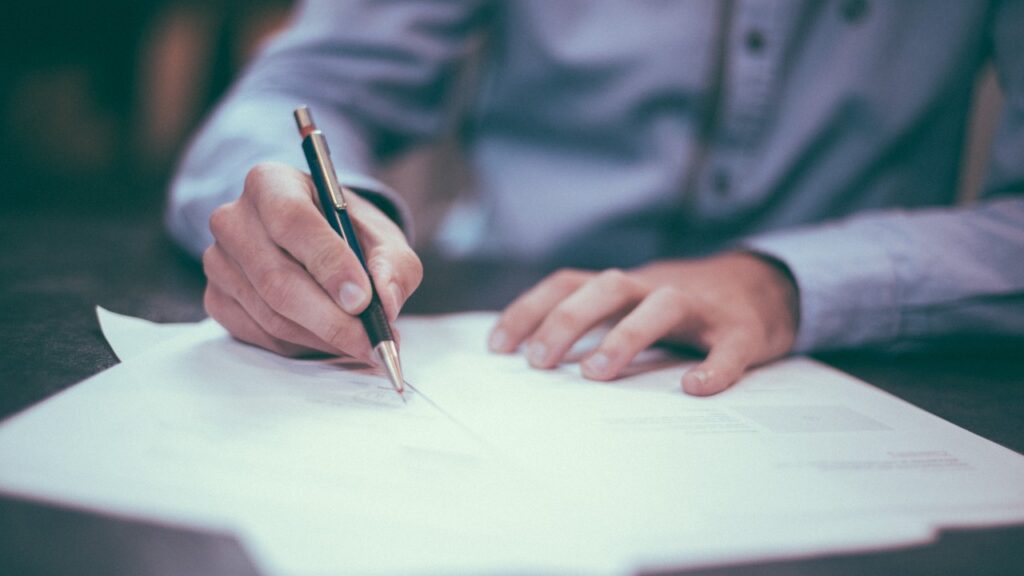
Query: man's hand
{"type": "Point", "coordinates": [281, 278]}
{"type": "Point", "coordinates": [740, 308]}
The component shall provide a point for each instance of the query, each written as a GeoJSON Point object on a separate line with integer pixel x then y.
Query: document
{"type": "Point", "coordinates": [492, 467]}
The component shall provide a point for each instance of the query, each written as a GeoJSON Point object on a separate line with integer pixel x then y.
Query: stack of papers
{"type": "Point", "coordinates": [493, 467]}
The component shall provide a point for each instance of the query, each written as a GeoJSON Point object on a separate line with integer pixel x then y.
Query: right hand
{"type": "Point", "coordinates": [279, 277]}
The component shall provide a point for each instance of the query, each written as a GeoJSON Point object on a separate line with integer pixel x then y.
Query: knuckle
{"type": "Point", "coordinates": [625, 336]}
{"type": "Point", "coordinates": [220, 220]}
{"type": "Point", "coordinates": [233, 289]}
{"type": "Point", "coordinates": [324, 261]}
{"type": "Point", "coordinates": [209, 260]}
{"type": "Point", "coordinates": [512, 317]}
{"type": "Point", "coordinates": [563, 316]}
{"type": "Point", "coordinates": [211, 303]}
{"type": "Point", "coordinates": [614, 278]}
{"type": "Point", "coordinates": [278, 327]}
{"type": "Point", "coordinates": [671, 297]}
{"type": "Point", "coordinates": [280, 220]}
{"type": "Point", "coordinates": [567, 278]}
{"type": "Point", "coordinates": [258, 177]}
{"type": "Point", "coordinates": [275, 287]}
{"type": "Point", "coordinates": [616, 281]}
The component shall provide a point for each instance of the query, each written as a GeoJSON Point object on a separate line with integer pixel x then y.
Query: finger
{"type": "Point", "coordinates": [283, 284]}
{"type": "Point", "coordinates": [396, 272]}
{"type": "Point", "coordinates": [230, 314]}
{"type": "Point", "coordinates": [726, 362]}
{"type": "Point", "coordinates": [607, 294]}
{"type": "Point", "coordinates": [225, 275]}
{"type": "Point", "coordinates": [522, 317]}
{"type": "Point", "coordinates": [394, 266]}
{"type": "Point", "coordinates": [284, 204]}
{"type": "Point", "coordinates": [662, 312]}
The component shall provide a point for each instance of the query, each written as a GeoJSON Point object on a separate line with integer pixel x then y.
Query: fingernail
{"type": "Point", "coordinates": [697, 380]}
{"type": "Point", "coordinates": [381, 270]}
{"type": "Point", "coordinates": [597, 364]}
{"type": "Point", "coordinates": [537, 353]}
{"type": "Point", "coordinates": [396, 299]}
{"type": "Point", "coordinates": [351, 297]}
{"type": "Point", "coordinates": [497, 341]}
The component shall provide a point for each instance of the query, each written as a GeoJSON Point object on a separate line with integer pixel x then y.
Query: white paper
{"type": "Point", "coordinates": [495, 467]}
{"type": "Point", "coordinates": [129, 336]}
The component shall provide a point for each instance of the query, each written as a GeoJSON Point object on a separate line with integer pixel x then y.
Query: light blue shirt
{"type": "Point", "coordinates": [608, 133]}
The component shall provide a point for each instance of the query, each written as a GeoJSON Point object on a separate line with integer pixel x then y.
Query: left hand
{"type": "Point", "coordinates": [740, 308]}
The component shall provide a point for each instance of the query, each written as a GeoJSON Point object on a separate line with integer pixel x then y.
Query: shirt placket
{"type": "Point", "coordinates": [751, 80]}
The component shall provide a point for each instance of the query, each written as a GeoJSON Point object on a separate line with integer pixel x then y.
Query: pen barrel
{"type": "Point", "coordinates": [322, 175]}
{"type": "Point", "coordinates": [376, 322]}
{"type": "Point", "coordinates": [373, 318]}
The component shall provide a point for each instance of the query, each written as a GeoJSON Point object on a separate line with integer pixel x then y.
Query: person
{"type": "Point", "coordinates": [749, 178]}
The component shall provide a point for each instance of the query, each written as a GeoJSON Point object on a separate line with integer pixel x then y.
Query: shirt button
{"type": "Point", "coordinates": [720, 182]}
{"type": "Point", "coordinates": [853, 10]}
{"type": "Point", "coordinates": [754, 41]}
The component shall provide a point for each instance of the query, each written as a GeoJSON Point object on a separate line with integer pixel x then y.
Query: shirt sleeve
{"type": "Point", "coordinates": [375, 74]}
{"type": "Point", "coordinates": [896, 278]}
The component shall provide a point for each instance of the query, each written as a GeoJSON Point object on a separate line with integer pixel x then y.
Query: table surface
{"type": "Point", "coordinates": [55, 268]}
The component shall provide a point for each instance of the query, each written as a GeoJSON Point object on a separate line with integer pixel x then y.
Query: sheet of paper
{"type": "Point", "coordinates": [794, 443]}
{"type": "Point", "coordinates": [129, 336]}
{"type": "Point", "coordinates": [318, 466]}
{"type": "Point", "coordinates": [496, 467]}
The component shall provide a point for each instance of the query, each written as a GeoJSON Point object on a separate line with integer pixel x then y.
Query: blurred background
{"type": "Point", "coordinates": [97, 98]}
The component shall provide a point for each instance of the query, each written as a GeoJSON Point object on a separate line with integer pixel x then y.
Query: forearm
{"type": "Point", "coordinates": [899, 277]}
{"type": "Point", "coordinates": [246, 130]}
{"type": "Point", "coordinates": [375, 75]}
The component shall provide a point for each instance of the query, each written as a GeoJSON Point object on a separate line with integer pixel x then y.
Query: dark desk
{"type": "Point", "coordinates": [54, 269]}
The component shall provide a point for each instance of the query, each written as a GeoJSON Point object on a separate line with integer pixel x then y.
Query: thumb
{"type": "Point", "coordinates": [726, 362]}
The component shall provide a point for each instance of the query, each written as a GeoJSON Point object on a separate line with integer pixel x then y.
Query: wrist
{"type": "Point", "coordinates": [779, 296]}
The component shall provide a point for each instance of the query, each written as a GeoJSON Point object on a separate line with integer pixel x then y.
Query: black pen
{"type": "Point", "coordinates": [335, 209]}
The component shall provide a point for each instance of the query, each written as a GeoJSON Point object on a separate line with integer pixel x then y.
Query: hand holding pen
{"type": "Point", "coordinates": [334, 205]}
{"type": "Point", "coordinates": [281, 278]}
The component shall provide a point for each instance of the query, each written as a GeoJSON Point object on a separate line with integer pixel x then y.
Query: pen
{"type": "Point", "coordinates": [335, 209]}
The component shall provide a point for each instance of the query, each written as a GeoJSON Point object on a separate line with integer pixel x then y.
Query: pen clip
{"type": "Point", "coordinates": [318, 155]}
{"type": "Point", "coordinates": [326, 169]}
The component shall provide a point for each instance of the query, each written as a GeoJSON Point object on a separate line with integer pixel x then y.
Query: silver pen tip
{"type": "Point", "coordinates": [388, 353]}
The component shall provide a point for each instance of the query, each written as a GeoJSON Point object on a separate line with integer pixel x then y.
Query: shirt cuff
{"type": "Point", "coordinates": [847, 285]}
{"type": "Point", "coordinates": [383, 198]}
